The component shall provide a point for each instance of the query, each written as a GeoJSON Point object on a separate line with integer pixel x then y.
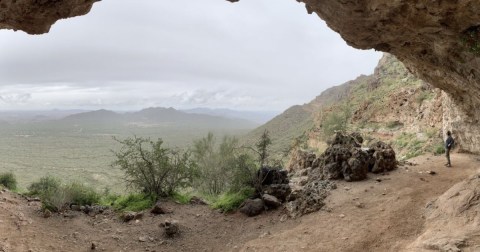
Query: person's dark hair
{"type": "Point", "coordinates": [449, 133]}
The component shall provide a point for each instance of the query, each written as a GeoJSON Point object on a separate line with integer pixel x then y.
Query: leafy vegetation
{"type": "Point", "coordinates": [8, 180]}
{"type": "Point", "coordinates": [215, 162]}
{"type": "Point", "coordinates": [133, 202]}
{"type": "Point", "coordinates": [56, 196]}
{"type": "Point", "coordinates": [154, 169]}
{"type": "Point", "coordinates": [230, 201]}
{"type": "Point", "coordinates": [262, 148]}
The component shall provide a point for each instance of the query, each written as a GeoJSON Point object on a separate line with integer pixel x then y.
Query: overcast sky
{"type": "Point", "coordinates": [131, 54]}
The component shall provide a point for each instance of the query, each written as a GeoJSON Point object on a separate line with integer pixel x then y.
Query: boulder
{"type": "Point", "coordinates": [158, 209]}
{"type": "Point", "coordinates": [268, 176]}
{"type": "Point", "coordinates": [310, 198]}
{"type": "Point", "coordinates": [384, 157]}
{"type": "Point", "coordinates": [252, 207]}
{"type": "Point", "coordinates": [197, 201]}
{"type": "Point", "coordinates": [279, 191]}
{"type": "Point", "coordinates": [356, 168]}
{"type": "Point", "coordinates": [271, 201]}
{"type": "Point", "coordinates": [170, 228]}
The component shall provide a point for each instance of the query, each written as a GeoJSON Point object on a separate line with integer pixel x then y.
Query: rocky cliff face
{"type": "Point", "coordinates": [439, 41]}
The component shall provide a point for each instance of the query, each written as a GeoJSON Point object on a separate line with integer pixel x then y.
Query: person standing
{"type": "Point", "coordinates": [448, 146]}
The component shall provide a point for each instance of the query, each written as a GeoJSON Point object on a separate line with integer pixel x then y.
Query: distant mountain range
{"type": "Point", "coordinates": [156, 117]}
{"type": "Point", "coordinates": [259, 117]}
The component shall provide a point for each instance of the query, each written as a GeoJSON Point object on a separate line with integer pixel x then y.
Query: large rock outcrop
{"type": "Point", "coordinates": [439, 41]}
{"type": "Point", "coordinates": [37, 16]}
{"type": "Point", "coordinates": [452, 220]}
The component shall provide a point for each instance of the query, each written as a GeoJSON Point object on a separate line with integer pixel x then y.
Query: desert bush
{"type": "Point", "coordinates": [152, 168]}
{"type": "Point", "coordinates": [336, 120]}
{"type": "Point", "coordinates": [44, 186]}
{"type": "Point", "coordinates": [222, 167]}
{"type": "Point", "coordinates": [80, 194]}
{"type": "Point", "coordinates": [8, 180]}
{"type": "Point", "coordinates": [262, 148]}
{"type": "Point", "coordinates": [215, 163]}
{"type": "Point", "coordinates": [57, 197]}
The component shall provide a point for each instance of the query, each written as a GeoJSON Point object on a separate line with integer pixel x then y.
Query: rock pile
{"type": "Point", "coordinates": [312, 176]}
{"type": "Point", "coordinates": [343, 159]}
{"type": "Point", "coordinates": [272, 190]}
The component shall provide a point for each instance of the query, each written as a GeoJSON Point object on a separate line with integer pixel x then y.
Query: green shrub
{"type": "Point", "coordinates": [44, 186]}
{"type": "Point", "coordinates": [152, 168]}
{"type": "Point", "coordinates": [80, 194]}
{"type": "Point", "coordinates": [224, 166]}
{"type": "Point", "coordinates": [230, 201]}
{"type": "Point", "coordinates": [134, 202]}
{"type": "Point", "coordinates": [57, 197]}
{"type": "Point", "coordinates": [8, 180]}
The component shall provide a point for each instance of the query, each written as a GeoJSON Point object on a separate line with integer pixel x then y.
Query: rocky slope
{"type": "Point", "coordinates": [391, 105]}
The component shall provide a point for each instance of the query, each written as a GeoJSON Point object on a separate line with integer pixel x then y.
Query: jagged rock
{"type": "Point", "coordinates": [348, 140]}
{"type": "Point", "coordinates": [170, 227]}
{"type": "Point", "coordinates": [384, 157]}
{"type": "Point", "coordinates": [310, 198]}
{"type": "Point", "coordinates": [157, 209]}
{"type": "Point", "coordinates": [280, 191]}
{"type": "Point", "coordinates": [301, 159]}
{"type": "Point", "coordinates": [252, 207]}
{"type": "Point", "coordinates": [269, 176]}
{"type": "Point", "coordinates": [271, 201]}
{"type": "Point", "coordinates": [335, 158]}
{"type": "Point", "coordinates": [357, 166]}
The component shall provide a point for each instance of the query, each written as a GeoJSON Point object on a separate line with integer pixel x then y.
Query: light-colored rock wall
{"type": "Point", "coordinates": [465, 127]}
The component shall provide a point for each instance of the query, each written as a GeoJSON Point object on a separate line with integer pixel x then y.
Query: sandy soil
{"type": "Point", "coordinates": [361, 216]}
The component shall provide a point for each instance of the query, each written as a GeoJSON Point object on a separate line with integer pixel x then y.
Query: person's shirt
{"type": "Point", "coordinates": [449, 142]}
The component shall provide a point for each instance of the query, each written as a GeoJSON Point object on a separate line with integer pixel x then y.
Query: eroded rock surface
{"type": "Point", "coordinates": [452, 220]}
{"type": "Point", "coordinates": [437, 40]}
{"type": "Point", "coordinates": [37, 16]}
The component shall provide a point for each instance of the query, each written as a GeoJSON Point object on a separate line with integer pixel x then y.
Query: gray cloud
{"type": "Point", "coordinates": [15, 98]}
{"type": "Point", "coordinates": [256, 54]}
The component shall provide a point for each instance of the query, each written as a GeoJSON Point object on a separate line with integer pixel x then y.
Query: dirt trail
{"type": "Point", "coordinates": [360, 216]}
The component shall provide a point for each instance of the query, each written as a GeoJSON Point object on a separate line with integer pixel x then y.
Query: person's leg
{"type": "Point", "coordinates": [447, 153]}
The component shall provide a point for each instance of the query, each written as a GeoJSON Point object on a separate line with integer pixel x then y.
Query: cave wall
{"type": "Point", "coordinates": [37, 16]}
{"type": "Point", "coordinates": [438, 40]}
{"type": "Point", "coordinates": [465, 127]}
